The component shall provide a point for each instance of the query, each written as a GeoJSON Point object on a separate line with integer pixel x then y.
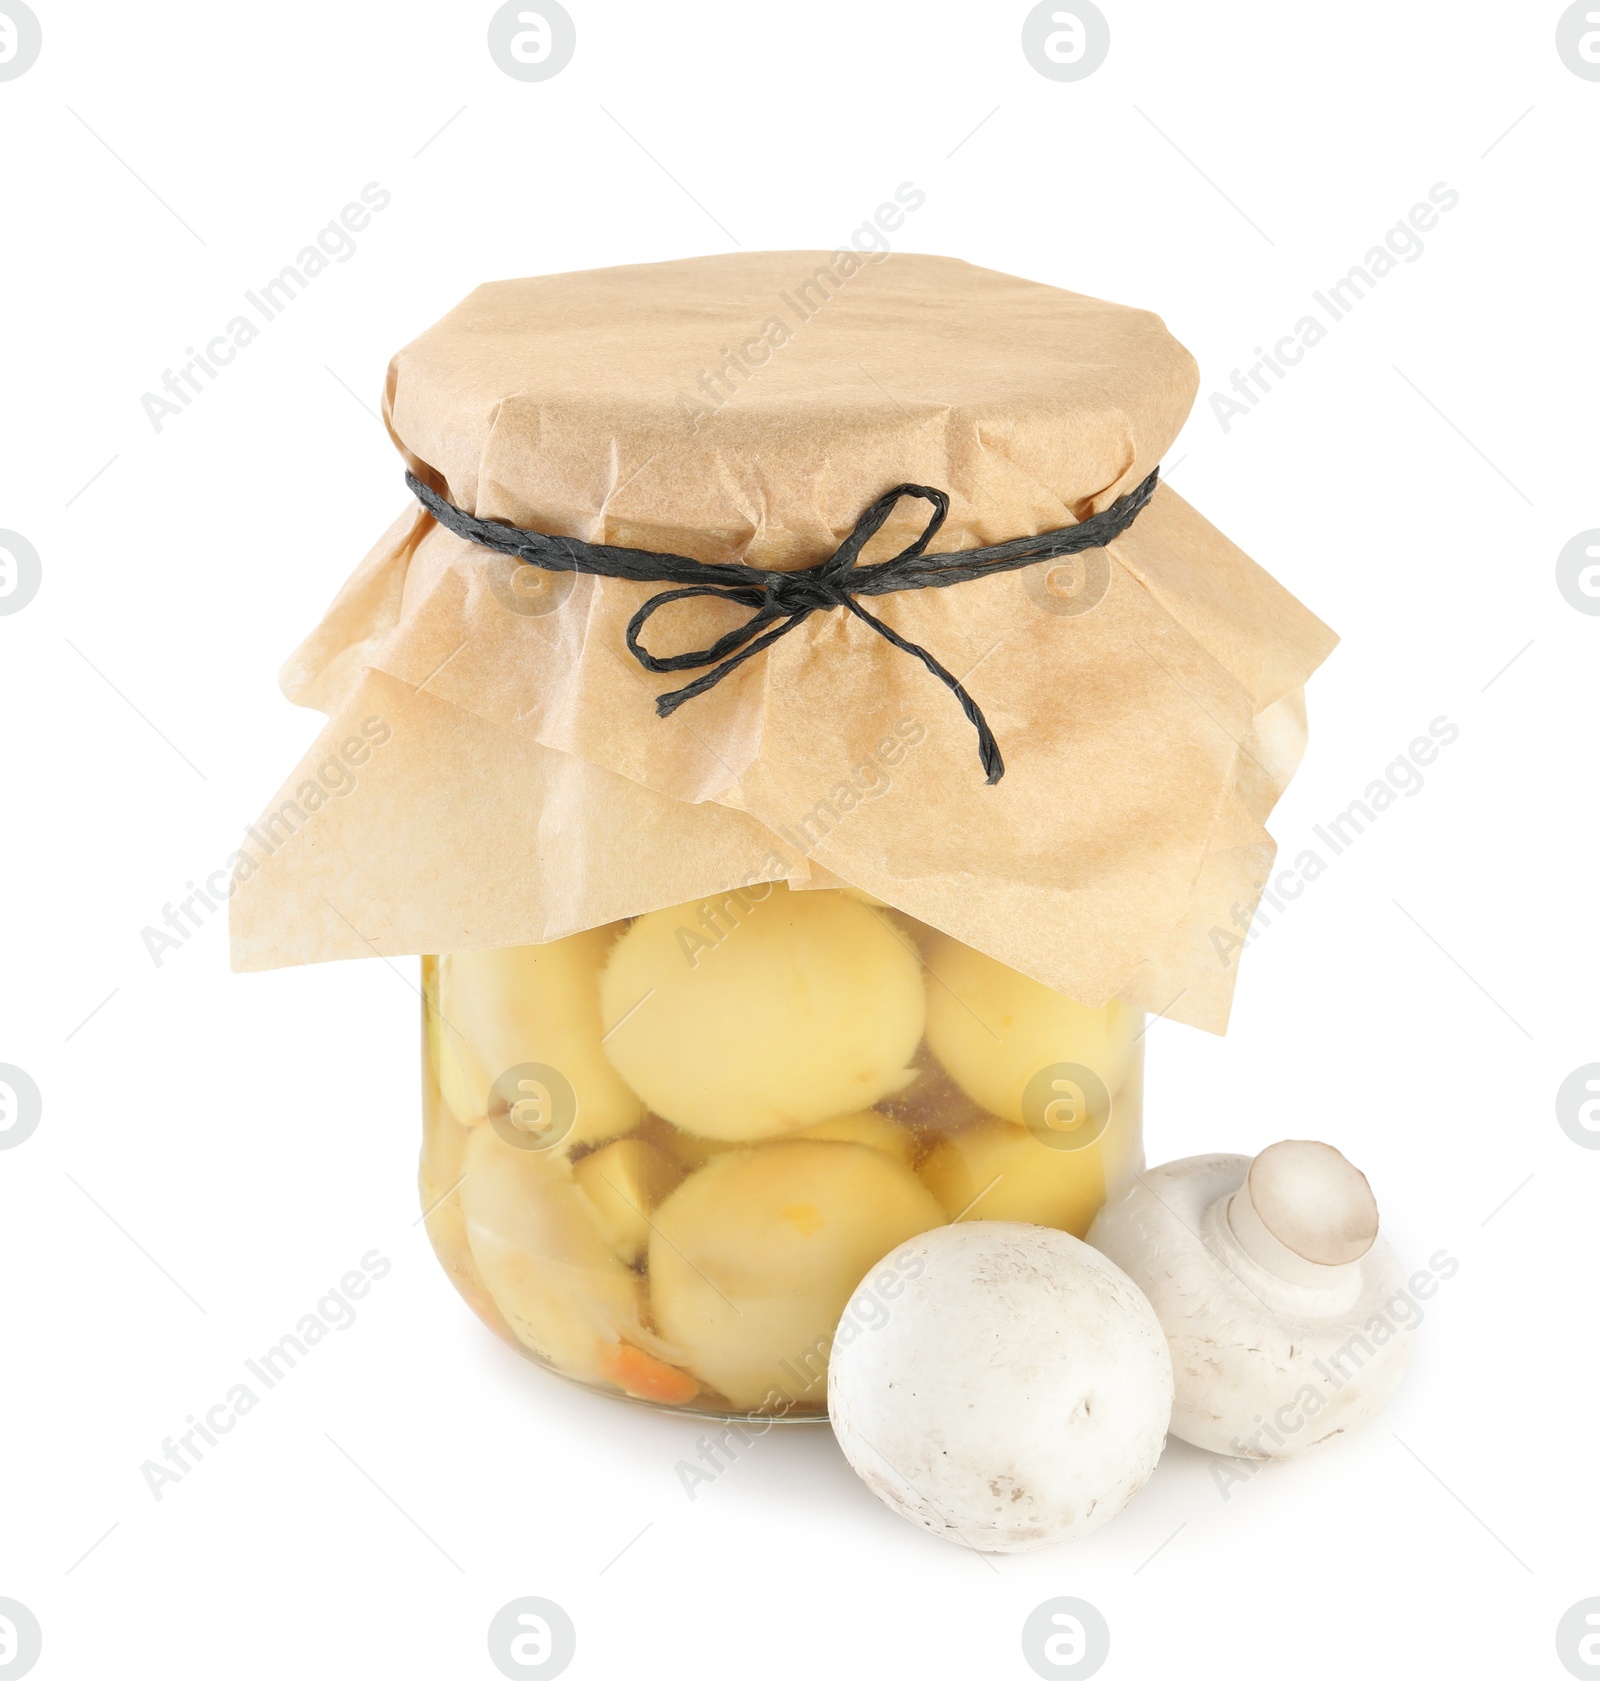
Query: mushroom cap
{"type": "Point", "coordinates": [1265, 1365]}
{"type": "Point", "coordinates": [532, 1239]}
{"type": "Point", "coordinates": [1314, 1202]}
{"type": "Point", "coordinates": [511, 1005]}
{"type": "Point", "coordinates": [779, 1010]}
{"type": "Point", "coordinates": [1000, 1384]}
{"type": "Point", "coordinates": [752, 1259]}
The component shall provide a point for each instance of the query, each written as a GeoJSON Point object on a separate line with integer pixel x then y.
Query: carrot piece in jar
{"type": "Point", "coordinates": [645, 1377]}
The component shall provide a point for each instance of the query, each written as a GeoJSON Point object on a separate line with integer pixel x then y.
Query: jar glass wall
{"type": "Point", "coordinates": [660, 1155]}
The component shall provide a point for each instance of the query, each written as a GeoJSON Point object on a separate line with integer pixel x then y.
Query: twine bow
{"type": "Point", "coordinates": [779, 601]}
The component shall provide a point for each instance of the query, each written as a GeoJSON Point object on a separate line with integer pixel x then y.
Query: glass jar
{"type": "Point", "coordinates": [659, 1156]}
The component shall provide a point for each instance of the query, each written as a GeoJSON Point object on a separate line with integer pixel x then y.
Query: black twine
{"type": "Point", "coordinates": [778, 601]}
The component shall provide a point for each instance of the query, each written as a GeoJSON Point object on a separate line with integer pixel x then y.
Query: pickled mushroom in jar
{"type": "Point", "coordinates": [688, 1149]}
{"type": "Point", "coordinates": [996, 1031]}
{"type": "Point", "coordinates": [530, 1005]}
{"type": "Point", "coordinates": [624, 1181]}
{"type": "Point", "coordinates": [753, 1258]}
{"type": "Point", "coordinates": [439, 1177]}
{"type": "Point", "coordinates": [762, 1012]}
{"type": "Point", "coordinates": [995, 1170]}
{"type": "Point", "coordinates": [542, 1259]}
{"type": "Point", "coordinates": [870, 1128]}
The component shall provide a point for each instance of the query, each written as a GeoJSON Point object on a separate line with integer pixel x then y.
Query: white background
{"type": "Point", "coordinates": [254, 1136]}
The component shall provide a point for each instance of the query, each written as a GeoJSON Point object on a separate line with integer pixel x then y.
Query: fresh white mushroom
{"type": "Point", "coordinates": [1289, 1319]}
{"type": "Point", "coordinates": [1013, 1393]}
{"type": "Point", "coordinates": [757, 1013]}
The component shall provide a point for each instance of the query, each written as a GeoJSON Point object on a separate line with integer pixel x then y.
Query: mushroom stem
{"type": "Point", "coordinates": [1304, 1213]}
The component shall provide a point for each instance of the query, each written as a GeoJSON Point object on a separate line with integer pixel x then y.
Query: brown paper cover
{"type": "Point", "coordinates": [749, 408]}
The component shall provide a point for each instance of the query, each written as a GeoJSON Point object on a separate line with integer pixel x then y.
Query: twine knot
{"type": "Point", "coordinates": [779, 601]}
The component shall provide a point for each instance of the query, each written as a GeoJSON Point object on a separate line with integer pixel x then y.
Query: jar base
{"type": "Point", "coordinates": [710, 1414]}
